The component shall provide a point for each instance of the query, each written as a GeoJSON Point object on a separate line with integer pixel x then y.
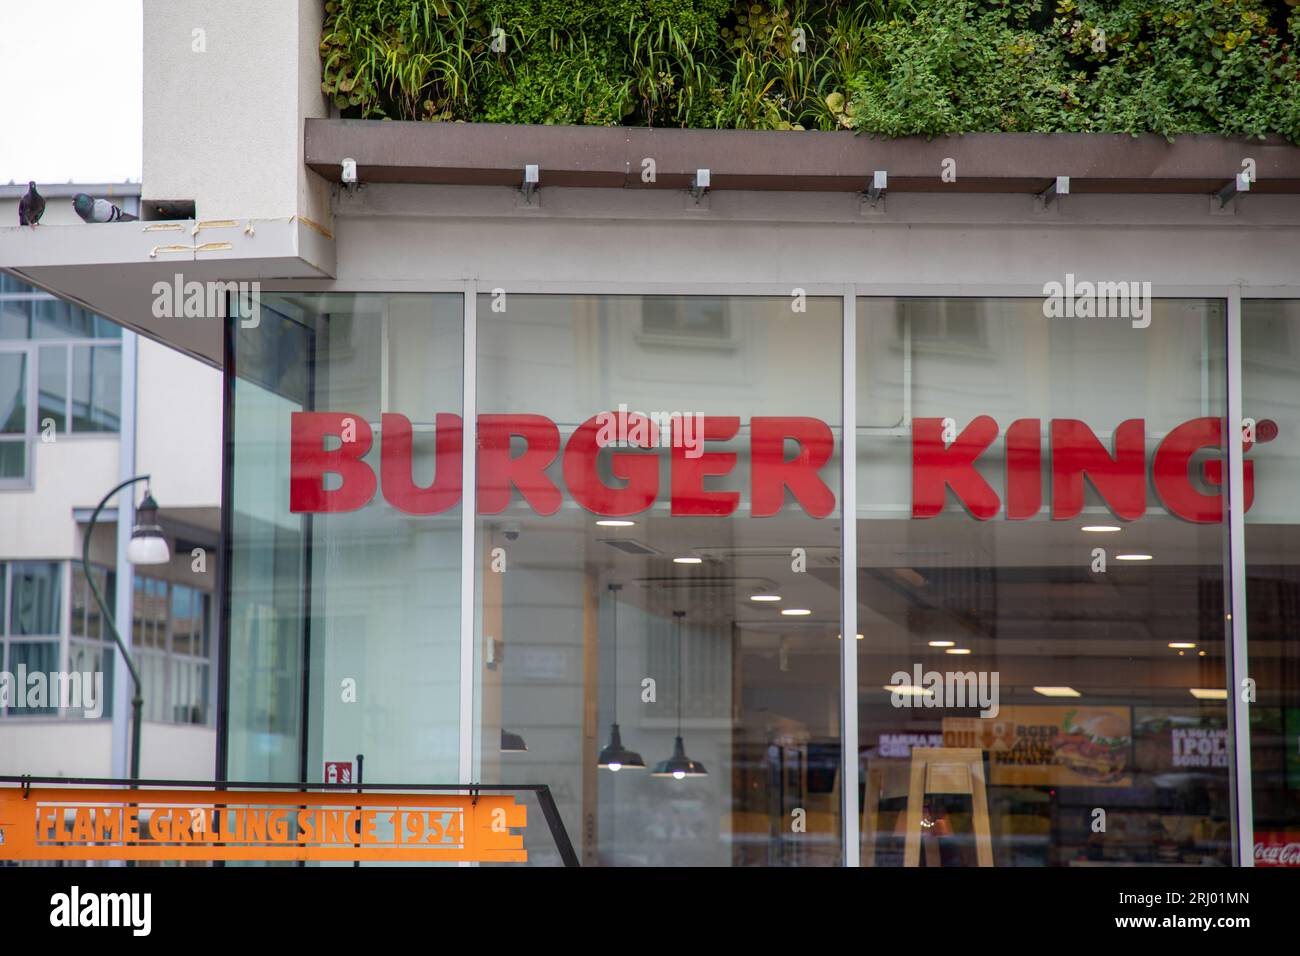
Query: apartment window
{"type": "Point", "coordinates": [173, 653]}
{"type": "Point", "coordinates": [32, 626]}
{"type": "Point", "coordinates": [60, 374]}
{"type": "Point", "coordinates": [90, 645]}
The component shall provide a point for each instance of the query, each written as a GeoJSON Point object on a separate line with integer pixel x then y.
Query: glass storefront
{"type": "Point", "coordinates": [640, 602]}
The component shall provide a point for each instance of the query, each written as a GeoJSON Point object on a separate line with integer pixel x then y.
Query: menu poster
{"type": "Point", "coordinates": [1180, 739]}
{"type": "Point", "coordinates": [1050, 746]}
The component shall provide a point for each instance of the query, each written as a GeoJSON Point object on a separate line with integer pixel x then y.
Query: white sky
{"type": "Point", "coordinates": [71, 75]}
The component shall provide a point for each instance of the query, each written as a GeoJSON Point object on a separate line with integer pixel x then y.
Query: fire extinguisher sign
{"type": "Point", "coordinates": [338, 771]}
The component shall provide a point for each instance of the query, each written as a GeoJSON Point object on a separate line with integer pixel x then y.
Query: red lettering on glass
{"type": "Point", "coordinates": [771, 472]}
{"type": "Point", "coordinates": [1024, 469]}
{"type": "Point", "coordinates": [689, 496]}
{"type": "Point", "coordinates": [1171, 471]}
{"type": "Point", "coordinates": [396, 460]}
{"type": "Point", "coordinates": [1121, 480]}
{"type": "Point", "coordinates": [936, 468]}
{"type": "Point", "coordinates": [310, 462]}
{"type": "Point", "coordinates": [497, 471]}
{"type": "Point", "coordinates": [640, 471]}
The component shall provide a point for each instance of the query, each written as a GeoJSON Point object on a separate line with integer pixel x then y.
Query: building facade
{"type": "Point", "coordinates": [86, 404]}
{"type": "Point", "coordinates": [775, 488]}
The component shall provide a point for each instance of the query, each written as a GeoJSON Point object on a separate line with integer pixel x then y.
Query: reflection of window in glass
{"type": "Point", "coordinates": [952, 323]}
{"type": "Point", "coordinates": [666, 316]}
{"type": "Point", "coordinates": [86, 618]}
{"type": "Point", "coordinates": [172, 651]}
{"type": "Point", "coordinates": [96, 388]}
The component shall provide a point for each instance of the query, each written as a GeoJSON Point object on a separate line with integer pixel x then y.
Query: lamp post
{"type": "Point", "coordinates": [147, 546]}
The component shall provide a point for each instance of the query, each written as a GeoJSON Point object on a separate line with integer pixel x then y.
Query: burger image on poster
{"type": "Point", "coordinates": [1095, 744]}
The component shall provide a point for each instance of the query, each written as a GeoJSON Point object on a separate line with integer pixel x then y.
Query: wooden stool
{"type": "Point", "coordinates": [948, 770]}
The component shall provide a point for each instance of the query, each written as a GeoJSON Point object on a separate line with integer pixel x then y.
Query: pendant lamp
{"type": "Point", "coordinates": [679, 766]}
{"type": "Point", "coordinates": [615, 756]}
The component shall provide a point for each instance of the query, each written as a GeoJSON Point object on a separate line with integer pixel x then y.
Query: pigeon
{"type": "Point", "coordinates": [99, 210]}
{"type": "Point", "coordinates": [31, 207]}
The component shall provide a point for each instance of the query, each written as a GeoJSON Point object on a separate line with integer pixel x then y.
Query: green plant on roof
{"type": "Point", "coordinates": [882, 67]}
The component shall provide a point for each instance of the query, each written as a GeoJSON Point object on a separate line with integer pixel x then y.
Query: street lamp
{"type": "Point", "coordinates": [147, 546]}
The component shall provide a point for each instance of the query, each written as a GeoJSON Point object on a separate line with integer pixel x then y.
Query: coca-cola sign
{"type": "Point", "coordinates": [1277, 849]}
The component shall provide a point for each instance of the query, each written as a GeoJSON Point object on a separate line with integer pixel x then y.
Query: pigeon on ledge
{"type": "Point", "coordinates": [99, 210]}
{"type": "Point", "coordinates": [31, 207]}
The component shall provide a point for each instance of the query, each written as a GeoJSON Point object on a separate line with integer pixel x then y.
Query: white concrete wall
{"type": "Point", "coordinates": [73, 471]}
{"type": "Point", "coordinates": [224, 126]}
{"type": "Point", "coordinates": [178, 427]}
{"type": "Point", "coordinates": [80, 748]}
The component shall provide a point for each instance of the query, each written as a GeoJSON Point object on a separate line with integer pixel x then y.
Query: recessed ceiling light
{"type": "Point", "coordinates": [840, 637]}
{"type": "Point", "coordinates": [1181, 645]}
{"type": "Point", "coordinates": [1057, 691]}
{"type": "Point", "coordinates": [615, 523]}
{"type": "Point", "coordinates": [908, 690]}
{"type": "Point", "coordinates": [1101, 528]}
{"type": "Point", "coordinates": [765, 597]}
{"type": "Point", "coordinates": [1208, 693]}
{"type": "Point", "coordinates": [957, 650]}
{"type": "Point", "coordinates": [943, 643]}
{"type": "Point", "coordinates": [796, 611]}
{"type": "Point", "coordinates": [1132, 557]}
{"type": "Point", "coordinates": [688, 560]}
{"type": "Point", "coordinates": [1200, 653]}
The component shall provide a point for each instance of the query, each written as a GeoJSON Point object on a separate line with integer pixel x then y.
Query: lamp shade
{"type": "Point", "coordinates": [679, 766]}
{"type": "Point", "coordinates": [148, 549]}
{"type": "Point", "coordinates": [616, 757]}
{"type": "Point", "coordinates": [148, 546]}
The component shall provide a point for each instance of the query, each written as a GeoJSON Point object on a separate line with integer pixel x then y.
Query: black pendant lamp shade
{"type": "Point", "coordinates": [679, 766]}
{"type": "Point", "coordinates": [615, 756]}
{"type": "Point", "coordinates": [512, 743]}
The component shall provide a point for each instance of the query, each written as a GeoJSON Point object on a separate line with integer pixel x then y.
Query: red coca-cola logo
{"type": "Point", "coordinates": [1277, 849]}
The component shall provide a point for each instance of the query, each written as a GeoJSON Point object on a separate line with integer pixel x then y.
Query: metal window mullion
{"type": "Point", "coordinates": [469, 507]}
{"type": "Point", "coordinates": [849, 585]}
{"type": "Point", "coordinates": [1243, 815]}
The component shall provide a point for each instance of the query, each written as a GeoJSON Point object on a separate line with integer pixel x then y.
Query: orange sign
{"type": "Point", "coordinates": [57, 823]}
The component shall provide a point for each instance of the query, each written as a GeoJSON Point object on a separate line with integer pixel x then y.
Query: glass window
{"type": "Point", "coordinates": [34, 599]}
{"type": "Point", "coordinates": [13, 393]}
{"type": "Point", "coordinates": [621, 573]}
{"type": "Point", "coordinates": [52, 392]}
{"type": "Point", "coordinates": [36, 657]}
{"type": "Point", "coordinates": [1270, 340]}
{"type": "Point", "coordinates": [96, 388]}
{"type": "Point", "coordinates": [94, 658]}
{"type": "Point", "coordinates": [362, 591]}
{"type": "Point", "coordinates": [1041, 584]}
{"type": "Point", "coordinates": [55, 319]}
{"type": "Point", "coordinates": [15, 317]}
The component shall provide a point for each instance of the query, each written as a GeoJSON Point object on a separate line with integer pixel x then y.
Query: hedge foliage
{"type": "Point", "coordinates": [886, 67]}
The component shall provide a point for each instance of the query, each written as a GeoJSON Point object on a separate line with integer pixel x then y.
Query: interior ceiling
{"type": "Point", "coordinates": [1021, 595]}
